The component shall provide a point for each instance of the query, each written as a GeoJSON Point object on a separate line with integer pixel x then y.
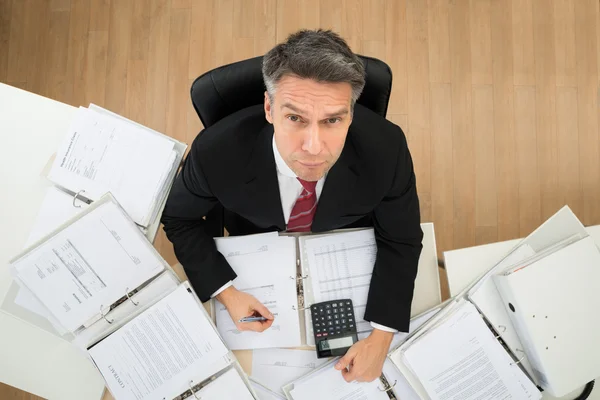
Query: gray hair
{"type": "Point", "coordinates": [321, 55]}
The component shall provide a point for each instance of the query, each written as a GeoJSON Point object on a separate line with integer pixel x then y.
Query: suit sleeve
{"type": "Point", "coordinates": [398, 235]}
{"type": "Point", "coordinates": [189, 201]}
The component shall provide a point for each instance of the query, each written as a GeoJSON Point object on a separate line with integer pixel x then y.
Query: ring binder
{"type": "Point", "coordinates": [300, 308]}
{"type": "Point", "coordinates": [387, 387]}
{"type": "Point", "coordinates": [520, 359]}
{"type": "Point", "coordinates": [192, 390]}
{"type": "Point", "coordinates": [299, 277]}
{"type": "Point", "coordinates": [129, 298]}
{"type": "Point", "coordinates": [104, 316]}
{"type": "Point", "coordinates": [504, 330]}
{"type": "Point", "coordinates": [75, 198]}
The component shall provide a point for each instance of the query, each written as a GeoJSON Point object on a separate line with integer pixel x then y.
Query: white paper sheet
{"type": "Point", "coordinates": [88, 265]}
{"type": "Point", "coordinates": [328, 383]}
{"type": "Point", "coordinates": [462, 359]}
{"type": "Point", "coordinates": [266, 268]}
{"type": "Point", "coordinates": [161, 351]}
{"type": "Point", "coordinates": [264, 393]}
{"type": "Point", "coordinates": [275, 368]}
{"type": "Point", "coordinates": [340, 267]}
{"type": "Point", "coordinates": [227, 386]}
{"type": "Point", "coordinates": [102, 153]}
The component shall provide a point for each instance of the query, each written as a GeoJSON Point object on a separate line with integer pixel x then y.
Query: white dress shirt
{"type": "Point", "coordinates": [289, 190]}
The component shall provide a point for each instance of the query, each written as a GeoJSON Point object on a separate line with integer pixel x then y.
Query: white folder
{"type": "Point", "coordinates": [553, 304]}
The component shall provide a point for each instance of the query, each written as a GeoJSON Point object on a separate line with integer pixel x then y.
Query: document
{"type": "Point", "coordinates": [266, 268]}
{"type": "Point", "coordinates": [328, 383]}
{"type": "Point", "coordinates": [264, 393]}
{"type": "Point", "coordinates": [274, 368]}
{"type": "Point", "coordinates": [461, 359]}
{"type": "Point", "coordinates": [88, 265]}
{"type": "Point", "coordinates": [162, 351]}
{"type": "Point", "coordinates": [227, 386]}
{"type": "Point", "coordinates": [102, 154]}
{"type": "Point", "coordinates": [340, 267]}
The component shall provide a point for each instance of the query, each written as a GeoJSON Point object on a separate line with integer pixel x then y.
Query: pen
{"type": "Point", "coordinates": [252, 319]}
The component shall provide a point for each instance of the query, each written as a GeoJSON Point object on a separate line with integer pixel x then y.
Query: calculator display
{"type": "Point", "coordinates": [336, 343]}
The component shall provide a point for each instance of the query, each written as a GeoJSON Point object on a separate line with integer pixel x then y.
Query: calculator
{"type": "Point", "coordinates": [334, 327]}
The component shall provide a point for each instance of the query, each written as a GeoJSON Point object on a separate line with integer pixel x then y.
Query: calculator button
{"type": "Point", "coordinates": [330, 323]}
{"type": "Point", "coordinates": [334, 305]}
{"type": "Point", "coordinates": [343, 321]}
{"type": "Point", "coordinates": [325, 334]}
{"type": "Point", "coordinates": [351, 325]}
{"type": "Point", "coordinates": [350, 320]}
{"type": "Point", "coordinates": [322, 318]}
{"type": "Point", "coordinates": [327, 305]}
{"type": "Point", "coordinates": [329, 318]}
{"type": "Point", "coordinates": [337, 321]}
{"type": "Point", "coordinates": [331, 329]}
{"type": "Point", "coordinates": [319, 335]}
{"type": "Point", "coordinates": [344, 326]}
{"type": "Point", "coordinates": [347, 303]}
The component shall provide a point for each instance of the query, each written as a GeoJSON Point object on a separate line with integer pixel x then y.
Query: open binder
{"type": "Point", "coordinates": [342, 261]}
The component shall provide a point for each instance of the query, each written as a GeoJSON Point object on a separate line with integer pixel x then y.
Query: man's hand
{"type": "Point", "coordinates": [366, 357]}
{"type": "Point", "coordinates": [240, 305]}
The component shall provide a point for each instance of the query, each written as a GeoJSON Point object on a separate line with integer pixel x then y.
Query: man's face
{"type": "Point", "coordinates": [311, 121]}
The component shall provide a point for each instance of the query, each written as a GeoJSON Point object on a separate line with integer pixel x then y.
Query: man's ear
{"type": "Point", "coordinates": [268, 115]}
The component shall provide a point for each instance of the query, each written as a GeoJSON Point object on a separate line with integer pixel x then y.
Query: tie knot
{"type": "Point", "coordinates": [309, 186]}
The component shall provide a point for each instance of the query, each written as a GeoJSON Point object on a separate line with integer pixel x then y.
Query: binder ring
{"type": "Point", "coordinates": [192, 390]}
{"type": "Point", "coordinates": [104, 316]}
{"type": "Point", "coordinates": [389, 387]}
{"type": "Point", "coordinates": [520, 359]}
{"type": "Point", "coordinates": [299, 277]}
{"type": "Point", "coordinates": [75, 198]}
{"type": "Point", "coordinates": [300, 308]}
{"type": "Point", "coordinates": [503, 330]}
{"type": "Point", "coordinates": [135, 303]}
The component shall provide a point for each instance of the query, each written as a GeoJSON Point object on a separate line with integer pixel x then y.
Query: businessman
{"type": "Point", "coordinates": [308, 159]}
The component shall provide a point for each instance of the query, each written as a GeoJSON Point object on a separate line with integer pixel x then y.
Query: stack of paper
{"type": "Point", "coordinates": [103, 152]}
{"type": "Point", "coordinates": [456, 355]}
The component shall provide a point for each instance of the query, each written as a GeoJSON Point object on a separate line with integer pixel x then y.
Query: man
{"type": "Point", "coordinates": [309, 160]}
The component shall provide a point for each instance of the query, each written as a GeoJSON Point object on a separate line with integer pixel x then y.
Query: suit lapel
{"type": "Point", "coordinates": [339, 189]}
{"type": "Point", "coordinates": [261, 186]}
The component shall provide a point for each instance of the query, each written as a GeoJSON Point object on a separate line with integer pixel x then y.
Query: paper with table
{"type": "Point", "coordinates": [95, 265]}
{"type": "Point", "coordinates": [171, 350]}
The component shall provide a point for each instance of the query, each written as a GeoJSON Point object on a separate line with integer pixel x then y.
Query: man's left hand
{"type": "Point", "coordinates": [366, 357]}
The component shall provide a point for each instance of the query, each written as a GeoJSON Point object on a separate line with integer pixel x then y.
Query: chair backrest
{"type": "Point", "coordinates": [233, 87]}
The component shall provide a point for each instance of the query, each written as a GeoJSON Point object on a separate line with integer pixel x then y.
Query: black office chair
{"type": "Point", "coordinates": [233, 87]}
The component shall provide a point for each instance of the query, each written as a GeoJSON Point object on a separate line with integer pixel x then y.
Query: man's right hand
{"type": "Point", "coordinates": [240, 305]}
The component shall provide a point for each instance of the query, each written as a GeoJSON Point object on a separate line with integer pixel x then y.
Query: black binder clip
{"type": "Point", "coordinates": [75, 198]}
{"type": "Point", "coordinates": [104, 316]}
{"type": "Point", "coordinates": [192, 390]}
{"type": "Point", "coordinates": [520, 359]}
{"type": "Point", "coordinates": [129, 298]}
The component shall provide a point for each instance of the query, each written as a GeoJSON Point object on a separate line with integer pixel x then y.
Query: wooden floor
{"type": "Point", "coordinates": [499, 98]}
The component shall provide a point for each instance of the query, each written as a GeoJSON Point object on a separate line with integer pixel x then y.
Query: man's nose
{"type": "Point", "coordinates": [312, 139]}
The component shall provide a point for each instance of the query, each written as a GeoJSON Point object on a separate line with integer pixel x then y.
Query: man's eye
{"type": "Point", "coordinates": [333, 120]}
{"type": "Point", "coordinates": [294, 118]}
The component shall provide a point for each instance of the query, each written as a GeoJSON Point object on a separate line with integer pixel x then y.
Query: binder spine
{"type": "Point", "coordinates": [305, 290]}
{"type": "Point", "coordinates": [389, 389]}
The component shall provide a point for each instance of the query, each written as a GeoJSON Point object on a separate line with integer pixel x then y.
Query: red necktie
{"type": "Point", "coordinates": [304, 209]}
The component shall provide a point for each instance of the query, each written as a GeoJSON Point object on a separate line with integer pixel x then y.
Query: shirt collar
{"type": "Point", "coordinates": [282, 167]}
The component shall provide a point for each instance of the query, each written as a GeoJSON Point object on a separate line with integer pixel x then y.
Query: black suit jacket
{"type": "Point", "coordinates": [371, 184]}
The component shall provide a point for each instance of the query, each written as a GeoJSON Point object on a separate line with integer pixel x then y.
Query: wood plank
{"type": "Point", "coordinates": [119, 35]}
{"type": "Point", "coordinates": [523, 46]}
{"type": "Point", "coordinates": [243, 48]}
{"type": "Point", "coordinates": [331, 14]}
{"type": "Point", "coordinates": [352, 29]}
{"type": "Point", "coordinates": [60, 5]}
{"type": "Point", "coordinates": [177, 88]}
{"type": "Point", "coordinates": [530, 207]}
{"type": "Point", "coordinates": [463, 140]}
{"type": "Point", "coordinates": [37, 28]}
{"type": "Point", "coordinates": [545, 74]}
{"type": "Point", "coordinates": [486, 206]}
{"type": "Point", "coordinates": [399, 119]}
{"type": "Point", "coordinates": [442, 169]}
{"type": "Point", "coordinates": [295, 15]}
{"type": "Point", "coordinates": [5, 22]}
{"type": "Point", "coordinates": [588, 113]}
{"type": "Point", "coordinates": [374, 48]}
{"type": "Point", "coordinates": [481, 42]}
{"type": "Point", "coordinates": [439, 42]}
{"type": "Point", "coordinates": [202, 41]}
{"type": "Point", "coordinates": [140, 30]}
{"type": "Point", "coordinates": [372, 18]}
{"type": "Point", "coordinates": [265, 26]}
{"type": "Point", "coordinates": [79, 24]}
{"type": "Point", "coordinates": [395, 54]}
{"type": "Point", "coordinates": [564, 39]}
{"type": "Point", "coordinates": [181, 4]}
{"type": "Point", "coordinates": [243, 18]}
{"type": "Point", "coordinates": [100, 15]}
{"type": "Point", "coordinates": [419, 137]}
{"type": "Point", "coordinates": [223, 33]}
{"type": "Point", "coordinates": [567, 134]}
{"type": "Point", "coordinates": [506, 165]}
{"type": "Point", "coordinates": [16, 63]}
{"type": "Point", "coordinates": [136, 91]}
{"type": "Point", "coordinates": [95, 68]}
{"type": "Point", "coordinates": [56, 54]}
{"type": "Point", "coordinates": [12, 393]}
{"type": "Point", "coordinates": [158, 64]}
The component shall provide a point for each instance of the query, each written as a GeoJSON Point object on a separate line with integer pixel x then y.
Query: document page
{"type": "Point", "coordinates": [264, 393]}
{"type": "Point", "coordinates": [340, 267]}
{"type": "Point", "coordinates": [88, 265]}
{"type": "Point", "coordinates": [328, 383]}
{"type": "Point", "coordinates": [227, 386]}
{"type": "Point", "coordinates": [275, 368]}
{"type": "Point", "coordinates": [461, 359]}
{"type": "Point", "coordinates": [266, 268]}
{"type": "Point", "coordinates": [161, 351]}
{"type": "Point", "coordinates": [102, 153]}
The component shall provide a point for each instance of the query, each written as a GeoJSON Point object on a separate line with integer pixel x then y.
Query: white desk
{"type": "Point", "coordinates": [464, 266]}
{"type": "Point", "coordinates": [31, 359]}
